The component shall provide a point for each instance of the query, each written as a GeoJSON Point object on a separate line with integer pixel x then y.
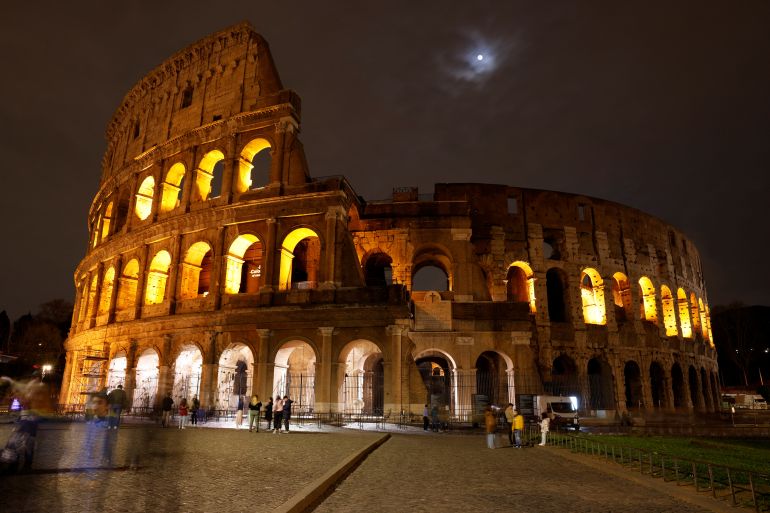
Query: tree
{"type": "Point", "coordinates": [740, 335]}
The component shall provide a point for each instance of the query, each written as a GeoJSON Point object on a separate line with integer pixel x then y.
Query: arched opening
{"type": "Point", "coordinates": [601, 386]}
{"type": "Point", "coordinates": [492, 381]}
{"type": "Point", "coordinates": [144, 197]}
{"type": "Point", "coordinates": [364, 385]}
{"type": "Point", "coordinates": [564, 377]}
{"type": "Point", "coordinates": [172, 187]}
{"type": "Point", "coordinates": [649, 311]}
{"type": "Point", "coordinates": [708, 327]}
{"type": "Point", "coordinates": [91, 308]}
{"type": "Point", "coordinates": [116, 373]}
{"type": "Point", "coordinates": [435, 371]}
{"type": "Point", "coordinates": [187, 373]}
{"type": "Point", "coordinates": [632, 375]}
{"type": "Point", "coordinates": [155, 292]}
{"type": "Point", "coordinates": [520, 284]}
{"type": "Point", "coordinates": [234, 381]}
{"type": "Point", "coordinates": [106, 222]}
{"type": "Point", "coordinates": [677, 386]}
{"type": "Point", "coordinates": [196, 271]}
{"type": "Point", "coordinates": [695, 314]}
{"type": "Point", "coordinates": [430, 270]}
{"type": "Point", "coordinates": [146, 380]}
{"type": "Point", "coordinates": [127, 286]}
{"type": "Point", "coordinates": [377, 270]}
{"type": "Point", "coordinates": [108, 282]}
{"type": "Point", "coordinates": [254, 165]}
{"type": "Point", "coordinates": [707, 398]}
{"type": "Point", "coordinates": [294, 374]}
{"type": "Point", "coordinates": [692, 380]}
{"type": "Point", "coordinates": [703, 324]}
{"type": "Point", "coordinates": [684, 313]}
{"type": "Point", "coordinates": [121, 209]}
{"type": "Point", "coordinates": [592, 296]}
{"type": "Point", "coordinates": [208, 176]}
{"type": "Point", "coordinates": [558, 300]}
{"type": "Point", "coordinates": [669, 313]}
{"type": "Point", "coordinates": [300, 259]}
{"type": "Point", "coordinates": [658, 385]}
{"type": "Point", "coordinates": [243, 263]}
{"type": "Point", "coordinates": [621, 297]}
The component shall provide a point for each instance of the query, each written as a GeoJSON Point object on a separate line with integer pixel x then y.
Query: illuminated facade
{"type": "Point", "coordinates": [217, 266]}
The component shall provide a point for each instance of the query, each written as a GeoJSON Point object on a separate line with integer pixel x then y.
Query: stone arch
{"type": "Point", "coordinates": [632, 375]}
{"type": "Point", "coordinates": [172, 187]}
{"type": "Point", "coordinates": [146, 386]}
{"type": "Point", "coordinates": [106, 221]}
{"type": "Point", "coordinates": [592, 296]}
{"type": "Point", "coordinates": [436, 368]}
{"type": "Point", "coordinates": [157, 276]}
{"type": "Point", "coordinates": [677, 386]}
{"type": "Point", "coordinates": [429, 262]}
{"type": "Point", "coordinates": [188, 366]}
{"type": "Point", "coordinates": [669, 313]}
{"type": "Point", "coordinates": [684, 313]}
{"type": "Point", "coordinates": [708, 399]}
{"type": "Point", "coordinates": [208, 176]}
{"type": "Point", "coordinates": [362, 390]}
{"type": "Point", "coordinates": [658, 385]}
{"type": "Point", "coordinates": [520, 284]}
{"type": "Point", "coordinates": [564, 377]}
{"type": "Point", "coordinates": [601, 385]}
{"type": "Point", "coordinates": [695, 315]}
{"type": "Point", "coordinates": [692, 381]}
{"type": "Point", "coordinates": [494, 377]}
{"type": "Point", "coordinates": [294, 372]}
{"type": "Point", "coordinates": [108, 282]}
{"type": "Point", "coordinates": [196, 271]}
{"type": "Point", "coordinates": [259, 149]}
{"type": "Point", "coordinates": [144, 198]}
{"type": "Point", "coordinates": [377, 267]}
{"type": "Point", "coordinates": [243, 264]}
{"type": "Point", "coordinates": [300, 259]}
{"type": "Point", "coordinates": [235, 376]}
{"type": "Point", "coordinates": [116, 370]}
{"type": "Point", "coordinates": [621, 297]}
{"type": "Point", "coordinates": [702, 315]}
{"type": "Point", "coordinates": [648, 308]}
{"type": "Point", "coordinates": [127, 286]}
{"type": "Point", "coordinates": [557, 295]}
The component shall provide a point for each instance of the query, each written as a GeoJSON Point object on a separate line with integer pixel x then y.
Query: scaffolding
{"type": "Point", "coordinates": [90, 375]}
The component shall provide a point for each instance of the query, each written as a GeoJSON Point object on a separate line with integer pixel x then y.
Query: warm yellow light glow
{"type": "Point", "coordinates": [127, 286]}
{"type": "Point", "coordinates": [107, 283]}
{"type": "Point", "coordinates": [649, 309]}
{"type": "Point", "coordinates": [156, 278]}
{"type": "Point", "coordinates": [694, 314]}
{"type": "Point", "coordinates": [684, 313]}
{"type": "Point", "coordinates": [92, 297]}
{"type": "Point", "coordinates": [703, 324]}
{"type": "Point", "coordinates": [191, 269]}
{"type": "Point", "coordinates": [669, 313]}
{"type": "Point", "coordinates": [205, 174]}
{"type": "Point", "coordinates": [592, 295]}
{"type": "Point", "coordinates": [106, 221]}
{"type": "Point", "coordinates": [530, 282]}
{"type": "Point", "coordinates": [144, 198]}
{"type": "Point", "coordinates": [621, 296]}
{"type": "Point", "coordinates": [234, 261]}
{"type": "Point", "coordinates": [709, 336]}
{"type": "Point", "coordinates": [245, 165]}
{"type": "Point", "coordinates": [287, 254]}
{"type": "Point", "coordinates": [170, 193]}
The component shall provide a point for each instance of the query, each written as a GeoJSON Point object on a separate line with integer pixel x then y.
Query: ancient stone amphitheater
{"type": "Point", "coordinates": [218, 266]}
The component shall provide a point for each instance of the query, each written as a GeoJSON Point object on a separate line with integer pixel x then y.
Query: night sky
{"type": "Point", "coordinates": [662, 107]}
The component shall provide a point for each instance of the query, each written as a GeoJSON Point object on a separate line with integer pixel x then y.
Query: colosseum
{"type": "Point", "coordinates": [218, 267]}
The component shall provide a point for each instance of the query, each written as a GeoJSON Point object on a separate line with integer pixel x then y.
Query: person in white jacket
{"type": "Point", "coordinates": [544, 426]}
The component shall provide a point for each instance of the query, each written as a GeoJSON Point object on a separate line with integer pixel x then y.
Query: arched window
{"type": "Point", "coordinates": [702, 315]}
{"type": "Point", "coordinates": [144, 197]}
{"type": "Point", "coordinates": [92, 297]}
{"type": "Point", "coordinates": [520, 284]}
{"type": "Point", "coordinates": [172, 187]}
{"type": "Point", "coordinates": [196, 271]}
{"type": "Point", "coordinates": [649, 310]}
{"type": "Point", "coordinates": [206, 186]}
{"type": "Point", "coordinates": [621, 297]}
{"type": "Point", "coordinates": [157, 276]}
{"type": "Point", "coordinates": [431, 267]}
{"type": "Point", "coordinates": [592, 294]}
{"type": "Point", "coordinates": [300, 257]}
{"type": "Point", "coordinates": [708, 326]}
{"type": "Point", "coordinates": [669, 314]}
{"type": "Point", "coordinates": [558, 301]}
{"type": "Point", "coordinates": [243, 262]}
{"type": "Point", "coordinates": [127, 286]}
{"type": "Point", "coordinates": [254, 165]}
{"type": "Point", "coordinates": [104, 299]}
{"type": "Point", "coordinates": [377, 270]}
{"type": "Point", "coordinates": [684, 313]}
{"type": "Point", "coordinates": [106, 221]}
{"type": "Point", "coordinates": [695, 315]}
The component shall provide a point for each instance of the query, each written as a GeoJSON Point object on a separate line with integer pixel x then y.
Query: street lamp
{"type": "Point", "coordinates": [46, 369]}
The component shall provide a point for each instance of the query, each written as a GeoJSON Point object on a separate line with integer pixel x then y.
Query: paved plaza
{"type": "Point", "coordinates": [147, 468]}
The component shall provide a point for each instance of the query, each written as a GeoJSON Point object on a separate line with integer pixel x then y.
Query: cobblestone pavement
{"type": "Point", "coordinates": [211, 470]}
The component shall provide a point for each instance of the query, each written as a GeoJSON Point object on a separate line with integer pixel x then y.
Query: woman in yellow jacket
{"type": "Point", "coordinates": [518, 427]}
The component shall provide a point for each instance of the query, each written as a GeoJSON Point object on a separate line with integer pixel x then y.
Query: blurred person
{"type": "Point", "coordinates": [116, 400]}
{"type": "Point", "coordinates": [166, 405]}
{"type": "Point", "coordinates": [425, 418]}
{"type": "Point", "coordinates": [269, 413]}
{"type": "Point", "coordinates": [545, 425]}
{"type": "Point", "coordinates": [434, 418]}
{"type": "Point", "coordinates": [239, 413]}
{"type": "Point", "coordinates": [196, 405]}
{"type": "Point", "coordinates": [277, 414]}
{"type": "Point", "coordinates": [35, 402]}
{"type": "Point", "coordinates": [286, 412]}
{"type": "Point", "coordinates": [490, 422]}
{"type": "Point", "coordinates": [183, 411]}
{"type": "Point", "coordinates": [509, 413]}
{"type": "Point", "coordinates": [254, 406]}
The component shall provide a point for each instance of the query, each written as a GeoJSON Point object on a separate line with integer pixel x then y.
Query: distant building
{"type": "Point", "coordinates": [217, 263]}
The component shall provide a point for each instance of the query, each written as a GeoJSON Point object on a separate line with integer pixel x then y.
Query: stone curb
{"type": "Point", "coordinates": [311, 493]}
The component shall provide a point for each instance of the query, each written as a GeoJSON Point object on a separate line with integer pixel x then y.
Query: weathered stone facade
{"type": "Point", "coordinates": [218, 266]}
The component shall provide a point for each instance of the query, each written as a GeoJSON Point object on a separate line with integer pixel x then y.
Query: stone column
{"type": "Point", "coordinates": [270, 255]}
{"type": "Point", "coordinates": [511, 385]}
{"type": "Point", "coordinates": [129, 384]}
{"type": "Point", "coordinates": [228, 172]}
{"type": "Point", "coordinates": [218, 272]}
{"type": "Point", "coordinates": [93, 310]}
{"type": "Point", "coordinates": [392, 370]}
{"type": "Point", "coordinates": [131, 214]}
{"type": "Point", "coordinates": [465, 381]}
{"type": "Point", "coordinates": [263, 368]}
{"type": "Point", "coordinates": [141, 282]}
{"type": "Point", "coordinates": [209, 373]}
{"type": "Point", "coordinates": [330, 253]}
{"type": "Point", "coordinates": [187, 187]}
{"type": "Point", "coordinates": [173, 277]}
{"type": "Point", "coordinates": [64, 394]}
{"type": "Point", "coordinates": [324, 384]}
{"type": "Point", "coordinates": [157, 195]}
{"type": "Point", "coordinates": [276, 162]}
{"type": "Point", "coordinates": [115, 286]}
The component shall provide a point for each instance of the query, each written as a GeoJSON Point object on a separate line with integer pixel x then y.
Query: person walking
{"type": "Point", "coordinates": [277, 414]}
{"type": "Point", "coordinates": [425, 418]}
{"type": "Point", "coordinates": [509, 412]}
{"type": "Point", "coordinates": [269, 413]}
{"type": "Point", "coordinates": [286, 412]}
{"type": "Point", "coordinates": [490, 422]}
{"type": "Point", "coordinates": [518, 427]}
{"type": "Point", "coordinates": [166, 405]}
{"type": "Point", "coordinates": [545, 424]}
{"type": "Point", "coordinates": [183, 412]}
{"type": "Point", "coordinates": [239, 413]}
{"type": "Point", "coordinates": [254, 406]}
{"type": "Point", "coordinates": [196, 405]}
{"type": "Point", "coordinates": [117, 401]}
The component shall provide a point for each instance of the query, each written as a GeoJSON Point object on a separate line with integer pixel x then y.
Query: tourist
{"type": "Point", "coordinates": [166, 406]}
{"type": "Point", "coordinates": [183, 413]}
{"type": "Point", "coordinates": [545, 423]}
{"type": "Point", "coordinates": [117, 401]}
{"type": "Point", "coordinates": [277, 414]}
{"type": "Point", "coordinates": [239, 413]}
{"type": "Point", "coordinates": [254, 406]}
{"type": "Point", "coordinates": [196, 405]}
{"type": "Point", "coordinates": [286, 411]}
{"type": "Point", "coordinates": [509, 413]}
{"type": "Point", "coordinates": [425, 418]}
{"type": "Point", "coordinates": [434, 418]}
{"type": "Point", "coordinates": [269, 413]}
{"type": "Point", "coordinates": [490, 421]}
{"type": "Point", "coordinates": [518, 427]}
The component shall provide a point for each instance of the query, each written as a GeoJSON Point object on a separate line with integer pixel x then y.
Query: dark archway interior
{"type": "Point", "coordinates": [633, 382]}
{"type": "Point", "coordinates": [657, 385]}
{"type": "Point", "coordinates": [378, 271]}
{"type": "Point", "coordinates": [556, 290]}
{"type": "Point", "coordinates": [600, 385]}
